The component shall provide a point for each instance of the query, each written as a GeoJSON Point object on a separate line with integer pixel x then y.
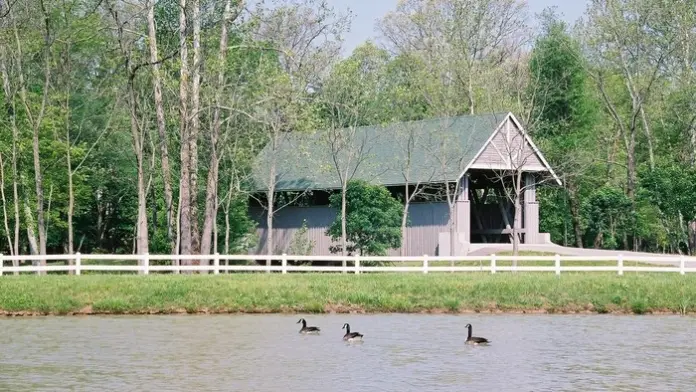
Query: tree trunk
{"type": "Point", "coordinates": [270, 207]}
{"type": "Point", "coordinates": [516, 230]}
{"type": "Point", "coordinates": [269, 230]}
{"type": "Point", "coordinates": [211, 192]}
{"type": "Point", "coordinates": [4, 206]}
{"type": "Point", "coordinates": [141, 224]}
{"type": "Point", "coordinates": [68, 158]}
{"type": "Point", "coordinates": [185, 178]}
{"type": "Point", "coordinates": [575, 213]}
{"type": "Point", "coordinates": [195, 127]}
{"type": "Point", "coordinates": [692, 237]}
{"type": "Point", "coordinates": [14, 247]}
{"type": "Point", "coordinates": [227, 225]}
{"type": "Point", "coordinates": [215, 227]}
{"type": "Point", "coordinates": [470, 90]}
{"type": "Point", "coordinates": [648, 136]}
{"type": "Point", "coordinates": [161, 124]}
{"type": "Point", "coordinates": [15, 191]}
{"type": "Point", "coordinates": [519, 190]}
{"type": "Point", "coordinates": [344, 236]}
{"type": "Point", "coordinates": [31, 235]}
{"type": "Point", "coordinates": [404, 221]}
{"type": "Point", "coordinates": [71, 203]}
{"type": "Point", "coordinates": [632, 175]}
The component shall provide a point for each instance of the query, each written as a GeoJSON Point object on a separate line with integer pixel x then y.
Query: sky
{"type": "Point", "coordinates": [366, 12]}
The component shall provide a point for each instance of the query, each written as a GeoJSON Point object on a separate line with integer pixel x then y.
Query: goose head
{"type": "Point", "coordinates": [299, 321]}
{"type": "Point", "coordinates": [345, 325]}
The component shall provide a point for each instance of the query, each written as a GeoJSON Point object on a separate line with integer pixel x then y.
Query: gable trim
{"type": "Point", "coordinates": [483, 147]}
{"type": "Point", "coordinates": [536, 150]}
{"type": "Point", "coordinates": [527, 139]}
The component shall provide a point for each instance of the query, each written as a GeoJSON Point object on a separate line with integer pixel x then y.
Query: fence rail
{"type": "Point", "coordinates": [350, 264]}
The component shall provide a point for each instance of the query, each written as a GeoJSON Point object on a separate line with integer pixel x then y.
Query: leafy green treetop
{"type": "Point", "coordinates": [373, 219]}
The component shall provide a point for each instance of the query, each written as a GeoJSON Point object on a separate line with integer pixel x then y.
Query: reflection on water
{"type": "Point", "coordinates": [399, 353]}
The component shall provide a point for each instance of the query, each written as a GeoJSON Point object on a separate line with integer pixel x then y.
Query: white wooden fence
{"type": "Point", "coordinates": [351, 264]}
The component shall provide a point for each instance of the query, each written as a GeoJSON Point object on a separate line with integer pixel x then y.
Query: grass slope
{"type": "Point", "coordinates": [258, 293]}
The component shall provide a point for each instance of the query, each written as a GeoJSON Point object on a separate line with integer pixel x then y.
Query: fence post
{"type": "Point", "coordinates": [493, 263]}
{"type": "Point", "coordinates": [268, 265]}
{"type": "Point", "coordinates": [146, 263]}
{"type": "Point", "coordinates": [425, 264]}
{"type": "Point", "coordinates": [558, 264]}
{"type": "Point", "coordinates": [620, 264]}
{"type": "Point", "coordinates": [78, 263]}
{"type": "Point", "coordinates": [2, 263]}
{"type": "Point", "coordinates": [284, 263]}
{"type": "Point", "coordinates": [681, 265]}
{"type": "Point", "coordinates": [216, 264]}
{"type": "Point", "coordinates": [357, 264]}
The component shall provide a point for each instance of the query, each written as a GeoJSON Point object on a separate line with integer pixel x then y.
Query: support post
{"type": "Point", "coordinates": [531, 211]}
{"type": "Point", "coordinates": [284, 263]}
{"type": "Point", "coordinates": [425, 264]}
{"type": "Point", "coordinates": [357, 264]}
{"type": "Point", "coordinates": [462, 215]}
{"type": "Point", "coordinates": [620, 264]}
{"type": "Point", "coordinates": [558, 264]}
{"type": "Point", "coordinates": [2, 263]}
{"type": "Point", "coordinates": [78, 263]}
{"type": "Point", "coordinates": [493, 263]}
{"type": "Point", "coordinates": [146, 264]}
{"type": "Point", "coordinates": [682, 265]}
{"type": "Point", "coordinates": [216, 264]}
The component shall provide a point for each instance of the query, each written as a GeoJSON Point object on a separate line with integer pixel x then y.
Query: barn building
{"type": "Point", "coordinates": [462, 175]}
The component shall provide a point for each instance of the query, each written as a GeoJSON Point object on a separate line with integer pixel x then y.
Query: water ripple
{"type": "Point", "coordinates": [399, 353]}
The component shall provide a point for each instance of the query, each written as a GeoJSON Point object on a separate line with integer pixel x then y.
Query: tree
{"type": "Point", "coordinates": [161, 124]}
{"type": "Point", "coordinates": [562, 112]}
{"type": "Point", "coordinates": [210, 214]}
{"type": "Point", "coordinates": [372, 222]}
{"type": "Point", "coordinates": [347, 99]}
{"type": "Point", "coordinates": [672, 188]}
{"type": "Point", "coordinates": [631, 41]}
{"type": "Point", "coordinates": [462, 44]}
{"type": "Point", "coordinates": [126, 41]}
{"type": "Point", "coordinates": [514, 175]}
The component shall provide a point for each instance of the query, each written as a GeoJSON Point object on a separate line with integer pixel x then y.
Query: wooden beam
{"type": "Point", "coordinates": [497, 231]}
{"type": "Point", "coordinates": [475, 214]}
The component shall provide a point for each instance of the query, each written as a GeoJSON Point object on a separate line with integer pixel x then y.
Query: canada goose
{"type": "Point", "coordinates": [351, 336]}
{"type": "Point", "coordinates": [306, 329]}
{"type": "Point", "coordinates": [474, 339]}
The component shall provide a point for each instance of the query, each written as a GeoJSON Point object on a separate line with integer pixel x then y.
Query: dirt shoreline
{"type": "Point", "coordinates": [333, 309]}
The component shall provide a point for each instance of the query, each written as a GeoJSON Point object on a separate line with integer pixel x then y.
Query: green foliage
{"type": "Point", "coordinates": [583, 130]}
{"type": "Point", "coordinates": [559, 84]}
{"type": "Point", "coordinates": [373, 219]}
{"type": "Point", "coordinates": [608, 216]}
{"type": "Point", "coordinates": [671, 189]}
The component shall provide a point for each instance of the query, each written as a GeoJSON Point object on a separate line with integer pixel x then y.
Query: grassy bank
{"type": "Point", "coordinates": [258, 293]}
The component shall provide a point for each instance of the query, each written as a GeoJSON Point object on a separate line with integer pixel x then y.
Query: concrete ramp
{"type": "Point", "coordinates": [656, 258]}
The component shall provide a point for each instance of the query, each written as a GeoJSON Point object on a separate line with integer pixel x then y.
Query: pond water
{"type": "Point", "coordinates": [399, 353]}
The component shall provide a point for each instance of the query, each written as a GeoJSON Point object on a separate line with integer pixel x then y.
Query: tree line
{"type": "Point", "coordinates": [132, 127]}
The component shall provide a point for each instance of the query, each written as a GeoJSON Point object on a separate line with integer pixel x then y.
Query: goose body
{"type": "Point", "coordinates": [351, 336]}
{"type": "Point", "coordinates": [475, 340]}
{"type": "Point", "coordinates": [307, 330]}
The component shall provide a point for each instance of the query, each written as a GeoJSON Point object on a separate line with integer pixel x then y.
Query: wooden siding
{"type": "Point", "coordinates": [427, 220]}
{"type": "Point", "coordinates": [508, 149]}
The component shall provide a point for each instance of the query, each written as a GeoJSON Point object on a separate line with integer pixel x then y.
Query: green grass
{"type": "Point", "coordinates": [316, 293]}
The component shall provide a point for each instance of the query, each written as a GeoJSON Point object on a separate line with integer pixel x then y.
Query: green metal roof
{"type": "Point", "coordinates": [439, 150]}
